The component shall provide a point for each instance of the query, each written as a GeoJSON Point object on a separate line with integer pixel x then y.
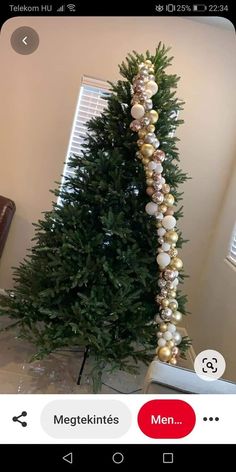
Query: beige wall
{"type": "Point", "coordinates": [38, 99]}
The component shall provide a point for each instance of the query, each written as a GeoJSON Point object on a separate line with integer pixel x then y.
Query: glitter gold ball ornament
{"type": "Point", "coordinates": [169, 199]}
{"type": "Point", "coordinates": [176, 317]}
{"type": "Point", "coordinates": [173, 361]}
{"type": "Point", "coordinates": [153, 116]}
{"type": "Point", "coordinates": [170, 344]}
{"type": "Point", "coordinates": [147, 150]}
{"type": "Point", "coordinates": [137, 111]}
{"type": "Point", "coordinates": [158, 197]}
{"type": "Point", "coordinates": [173, 252]}
{"type": "Point", "coordinates": [145, 160]}
{"type": "Point", "coordinates": [149, 191]}
{"type": "Point", "coordinates": [149, 174]}
{"type": "Point", "coordinates": [171, 237]}
{"type": "Point", "coordinates": [164, 354]}
{"type": "Point", "coordinates": [142, 133]}
{"type": "Point", "coordinates": [163, 208]}
{"type": "Point", "coordinates": [166, 188]}
{"type": "Point", "coordinates": [172, 293]}
{"type": "Point", "coordinates": [163, 327]}
{"type": "Point", "coordinates": [151, 128]}
{"type": "Point", "coordinates": [173, 305]}
{"type": "Point", "coordinates": [165, 303]}
{"type": "Point", "coordinates": [176, 263]}
{"type": "Point", "coordinates": [149, 182]}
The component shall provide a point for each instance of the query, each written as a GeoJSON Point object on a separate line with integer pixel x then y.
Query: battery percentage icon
{"type": "Point", "coordinates": [199, 7]}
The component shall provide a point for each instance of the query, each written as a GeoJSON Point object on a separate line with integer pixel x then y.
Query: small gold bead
{"type": "Point", "coordinates": [145, 160]}
{"type": "Point", "coordinates": [149, 182]}
{"type": "Point", "coordinates": [149, 174]}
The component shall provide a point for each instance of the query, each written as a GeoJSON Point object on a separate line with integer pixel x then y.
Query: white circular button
{"type": "Point", "coordinates": [118, 458]}
{"type": "Point", "coordinates": [209, 365]}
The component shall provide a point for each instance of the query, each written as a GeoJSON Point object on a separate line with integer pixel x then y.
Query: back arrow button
{"type": "Point", "coordinates": [24, 40]}
{"type": "Point", "coordinates": [68, 458]}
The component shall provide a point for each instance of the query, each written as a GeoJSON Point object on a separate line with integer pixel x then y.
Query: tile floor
{"type": "Point", "coordinates": [56, 374]}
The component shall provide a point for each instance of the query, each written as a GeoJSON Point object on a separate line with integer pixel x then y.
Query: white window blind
{"type": "Point", "coordinates": [232, 249]}
{"type": "Point", "coordinates": [91, 103]}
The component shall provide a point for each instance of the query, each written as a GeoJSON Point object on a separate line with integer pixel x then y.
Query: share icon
{"type": "Point", "coordinates": [17, 419]}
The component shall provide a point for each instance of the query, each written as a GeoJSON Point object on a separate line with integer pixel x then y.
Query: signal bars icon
{"type": "Point", "coordinates": [61, 9]}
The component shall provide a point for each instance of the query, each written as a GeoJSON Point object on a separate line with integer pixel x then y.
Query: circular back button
{"type": "Point", "coordinates": [24, 40]}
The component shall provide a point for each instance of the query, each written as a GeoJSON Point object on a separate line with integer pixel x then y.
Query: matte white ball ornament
{"type": "Point", "coordinates": [151, 208]}
{"type": "Point", "coordinates": [171, 328]}
{"type": "Point", "coordinates": [169, 222]}
{"type": "Point", "coordinates": [163, 259]}
{"type": "Point", "coordinates": [167, 335]}
{"type": "Point", "coordinates": [177, 338]}
{"type": "Point", "coordinates": [161, 342]}
{"type": "Point", "coordinates": [137, 111]}
{"type": "Point", "coordinates": [152, 86]}
{"type": "Point", "coordinates": [161, 231]}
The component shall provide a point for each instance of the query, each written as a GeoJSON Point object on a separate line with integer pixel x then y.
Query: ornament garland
{"type": "Point", "coordinates": [161, 207]}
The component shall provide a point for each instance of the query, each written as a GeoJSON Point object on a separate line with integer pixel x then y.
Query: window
{"type": "Point", "coordinates": [232, 249]}
{"type": "Point", "coordinates": [91, 103]}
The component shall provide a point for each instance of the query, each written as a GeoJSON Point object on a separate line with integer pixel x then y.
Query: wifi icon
{"type": "Point", "coordinates": [71, 7]}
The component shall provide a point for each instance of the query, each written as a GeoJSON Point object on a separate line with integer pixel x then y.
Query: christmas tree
{"type": "Point", "coordinates": [103, 272]}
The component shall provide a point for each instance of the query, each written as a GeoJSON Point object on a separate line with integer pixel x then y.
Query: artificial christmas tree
{"type": "Point", "coordinates": [102, 273]}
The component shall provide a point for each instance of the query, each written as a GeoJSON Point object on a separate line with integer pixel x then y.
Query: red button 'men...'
{"type": "Point", "coordinates": [166, 419]}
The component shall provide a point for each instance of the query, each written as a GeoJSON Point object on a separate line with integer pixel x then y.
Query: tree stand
{"type": "Point", "coordinates": [86, 353]}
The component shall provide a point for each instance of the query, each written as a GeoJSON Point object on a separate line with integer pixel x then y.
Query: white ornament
{"type": "Point", "coordinates": [167, 335]}
{"type": "Point", "coordinates": [159, 216]}
{"type": "Point", "coordinates": [159, 335]}
{"type": "Point", "coordinates": [159, 168]}
{"type": "Point", "coordinates": [151, 85]}
{"type": "Point", "coordinates": [169, 222]}
{"type": "Point", "coordinates": [171, 328]}
{"type": "Point", "coordinates": [152, 165]}
{"type": "Point", "coordinates": [137, 111]}
{"type": "Point", "coordinates": [175, 282]}
{"type": "Point", "coordinates": [151, 208]}
{"type": "Point", "coordinates": [163, 181]}
{"type": "Point", "coordinates": [163, 259]}
{"type": "Point", "coordinates": [148, 93]}
{"type": "Point", "coordinates": [161, 342]}
{"type": "Point", "coordinates": [177, 338]}
{"type": "Point", "coordinates": [165, 246]}
{"type": "Point", "coordinates": [161, 231]}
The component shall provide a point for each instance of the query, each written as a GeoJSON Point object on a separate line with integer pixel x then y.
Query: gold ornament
{"type": "Point", "coordinates": [171, 236]}
{"type": "Point", "coordinates": [151, 70]}
{"type": "Point", "coordinates": [173, 361]}
{"type": "Point", "coordinates": [165, 303]}
{"type": "Point", "coordinates": [170, 344]}
{"type": "Point", "coordinates": [149, 182]}
{"type": "Point", "coordinates": [169, 199]}
{"type": "Point", "coordinates": [153, 116]}
{"type": "Point", "coordinates": [173, 305]}
{"type": "Point", "coordinates": [151, 128]}
{"type": "Point", "coordinates": [176, 317]}
{"type": "Point", "coordinates": [164, 354]}
{"type": "Point", "coordinates": [142, 133]}
{"type": "Point", "coordinates": [145, 161]}
{"type": "Point", "coordinates": [177, 263]}
{"type": "Point", "coordinates": [147, 150]}
{"type": "Point", "coordinates": [173, 252]}
{"type": "Point", "coordinates": [162, 208]}
{"type": "Point", "coordinates": [149, 174]}
{"type": "Point", "coordinates": [148, 62]}
{"type": "Point", "coordinates": [172, 293]}
{"type": "Point", "coordinates": [163, 327]}
{"type": "Point", "coordinates": [158, 224]}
